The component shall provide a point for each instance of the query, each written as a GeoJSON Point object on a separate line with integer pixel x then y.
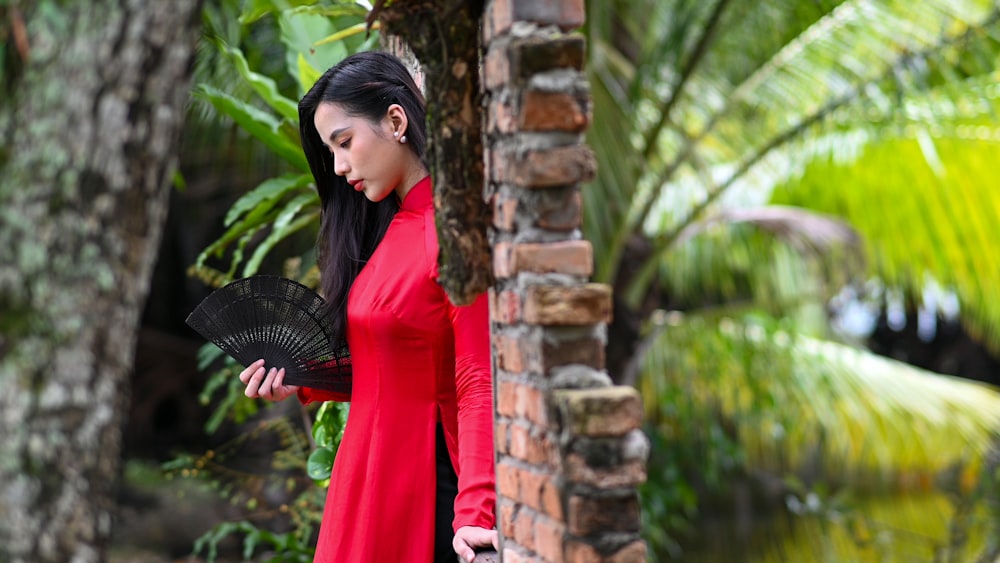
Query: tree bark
{"type": "Point", "coordinates": [444, 35]}
{"type": "Point", "coordinates": [93, 96]}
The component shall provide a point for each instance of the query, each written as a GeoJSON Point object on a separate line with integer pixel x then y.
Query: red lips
{"type": "Point", "coordinates": [358, 185]}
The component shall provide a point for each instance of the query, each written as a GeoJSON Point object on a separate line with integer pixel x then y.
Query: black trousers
{"type": "Point", "coordinates": [447, 489]}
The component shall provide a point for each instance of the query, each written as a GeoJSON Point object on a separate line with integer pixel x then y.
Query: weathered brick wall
{"type": "Point", "coordinates": [570, 452]}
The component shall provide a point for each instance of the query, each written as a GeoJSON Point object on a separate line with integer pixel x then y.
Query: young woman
{"type": "Point", "coordinates": [414, 479]}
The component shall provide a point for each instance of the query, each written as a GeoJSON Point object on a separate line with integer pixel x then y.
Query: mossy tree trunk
{"type": "Point", "coordinates": [444, 36]}
{"type": "Point", "coordinates": [93, 96]}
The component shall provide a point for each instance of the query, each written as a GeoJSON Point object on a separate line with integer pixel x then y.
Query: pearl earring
{"type": "Point", "coordinates": [403, 139]}
{"type": "Point", "coordinates": [395, 133]}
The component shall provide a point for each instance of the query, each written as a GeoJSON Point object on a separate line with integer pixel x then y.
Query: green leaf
{"type": "Point", "coordinates": [331, 419]}
{"type": "Point", "coordinates": [299, 31]}
{"type": "Point", "coordinates": [263, 126]}
{"type": "Point", "coordinates": [207, 354]}
{"type": "Point", "coordinates": [320, 463]}
{"type": "Point", "coordinates": [344, 33]}
{"type": "Point", "coordinates": [269, 191]}
{"type": "Point", "coordinates": [264, 86]}
{"type": "Point", "coordinates": [307, 73]}
{"type": "Point", "coordinates": [258, 217]}
{"type": "Point", "coordinates": [257, 9]}
{"type": "Point", "coordinates": [281, 231]}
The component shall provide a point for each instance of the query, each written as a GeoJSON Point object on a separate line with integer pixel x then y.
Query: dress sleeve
{"type": "Point", "coordinates": [476, 501]}
{"type": "Point", "coordinates": [308, 395]}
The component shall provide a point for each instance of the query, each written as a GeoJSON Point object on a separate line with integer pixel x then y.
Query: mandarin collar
{"type": "Point", "coordinates": [419, 197]}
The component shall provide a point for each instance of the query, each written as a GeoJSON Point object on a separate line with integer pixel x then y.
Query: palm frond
{"type": "Point", "coordinates": [800, 404]}
{"type": "Point", "coordinates": [773, 79]}
{"type": "Point", "coordinates": [924, 207]}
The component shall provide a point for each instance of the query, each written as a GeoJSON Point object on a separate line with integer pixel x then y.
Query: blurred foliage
{"type": "Point", "coordinates": [798, 404]}
{"type": "Point", "coordinates": [885, 528]}
{"type": "Point", "coordinates": [278, 495]}
{"type": "Point", "coordinates": [754, 159]}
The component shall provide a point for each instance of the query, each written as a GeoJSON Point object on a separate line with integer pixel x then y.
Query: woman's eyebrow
{"type": "Point", "coordinates": [336, 133]}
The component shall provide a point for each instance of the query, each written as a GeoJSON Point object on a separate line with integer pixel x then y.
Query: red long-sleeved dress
{"type": "Point", "coordinates": [417, 360]}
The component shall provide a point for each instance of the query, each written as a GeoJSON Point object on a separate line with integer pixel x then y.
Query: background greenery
{"type": "Point", "coordinates": [767, 172]}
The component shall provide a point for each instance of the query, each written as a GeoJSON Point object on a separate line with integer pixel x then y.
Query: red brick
{"type": "Point", "coordinates": [503, 256]}
{"type": "Point", "coordinates": [522, 399]}
{"type": "Point", "coordinates": [535, 353]}
{"type": "Point", "coordinates": [519, 353]}
{"type": "Point", "coordinates": [560, 166]}
{"type": "Point", "coordinates": [558, 209]}
{"type": "Point", "coordinates": [544, 168]}
{"type": "Point", "coordinates": [511, 555]}
{"type": "Point", "coordinates": [539, 111]}
{"type": "Point", "coordinates": [500, 117]}
{"type": "Point", "coordinates": [524, 529]}
{"type": "Point", "coordinates": [588, 351]}
{"type": "Point", "coordinates": [540, 492]}
{"type": "Point", "coordinates": [582, 552]}
{"type": "Point", "coordinates": [496, 65]}
{"type": "Point", "coordinates": [501, 437]}
{"type": "Point", "coordinates": [534, 447]}
{"type": "Point", "coordinates": [533, 55]}
{"type": "Point", "coordinates": [553, 111]}
{"type": "Point", "coordinates": [605, 411]}
{"type": "Point", "coordinates": [628, 474]}
{"type": "Point", "coordinates": [534, 488]}
{"type": "Point", "coordinates": [505, 307]}
{"type": "Point", "coordinates": [567, 306]}
{"type": "Point", "coordinates": [594, 515]}
{"type": "Point", "coordinates": [499, 15]}
{"type": "Point", "coordinates": [530, 404]}
{"type": "Point", "coordinates": [512, 61]}
{"type": "Point", "coordinates": [507, 398]}
{"type": "Point", "coordinates": [507, 511]}
{"type": "Point", "coordinates": [572, 257]}
{"type": "Point", "coordinates": [567, 215]}
{"type": "Point", "coordinates": [508, 480]}
{"type": "Point", "coordinates": [548, 538]}
{"type": "Point", "coordinates": [505, 212]}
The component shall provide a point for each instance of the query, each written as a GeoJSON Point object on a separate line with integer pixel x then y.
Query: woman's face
{"type": "Point", "coordinates": [365, 152]}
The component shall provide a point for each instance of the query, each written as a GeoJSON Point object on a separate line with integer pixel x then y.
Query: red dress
{"type": "Point", "coordinates": [417, 359]}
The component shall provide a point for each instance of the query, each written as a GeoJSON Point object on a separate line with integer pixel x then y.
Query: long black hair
{"type": "Point", "coordinates": [351, 226]}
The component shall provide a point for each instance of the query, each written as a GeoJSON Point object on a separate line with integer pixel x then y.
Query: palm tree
{"type": "Point", "coordinates": [754, 160]}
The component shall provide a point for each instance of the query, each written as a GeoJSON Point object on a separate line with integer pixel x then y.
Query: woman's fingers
{"type": "Point", "coordinates": [282, 391]}
{"type": "Point", "coordinates": [255, 376]}
{"type": "Point", "coordinates": [269, 386]}
{"type": "Point", "coordinates": [250, 370]}
{"type": "Point", "coordinates": [469, 537]}
{"type": "Point", "coordinates": [263, 383]}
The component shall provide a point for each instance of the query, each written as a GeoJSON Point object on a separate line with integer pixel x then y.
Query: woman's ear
{"type": "Point", "coordinates": [397, 120]}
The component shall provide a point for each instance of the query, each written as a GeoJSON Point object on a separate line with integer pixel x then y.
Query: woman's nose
{"type": "Point", "coordinates": [340, 167]}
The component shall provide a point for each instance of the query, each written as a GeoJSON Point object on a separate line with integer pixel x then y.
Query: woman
{"type": "Point", "coordinates": [414, 478]}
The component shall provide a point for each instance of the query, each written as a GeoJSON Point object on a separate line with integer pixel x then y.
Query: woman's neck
{"type": "Point", "coordinates": [414, 174]}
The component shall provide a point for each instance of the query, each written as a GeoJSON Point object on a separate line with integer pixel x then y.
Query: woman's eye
{"type": "Point", "coordinates": [345, 144]}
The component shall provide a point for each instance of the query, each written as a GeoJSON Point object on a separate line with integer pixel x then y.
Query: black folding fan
{"type": "Point", "coordinates": [281, 321]}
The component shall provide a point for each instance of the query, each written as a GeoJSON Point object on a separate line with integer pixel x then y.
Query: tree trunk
{"type": "Point", "coordinates": [92, 104]}
{"type": "Point", "coordinates": [444, 35]}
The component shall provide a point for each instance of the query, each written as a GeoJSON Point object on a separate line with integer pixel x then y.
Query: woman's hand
{"type": "Point", "coordinates": [467, 538]}
{"type": "Point", "coordinates": [266, 384]}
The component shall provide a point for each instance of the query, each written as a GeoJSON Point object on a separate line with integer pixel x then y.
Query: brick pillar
{"type": "Point", "coordinates": [569, 450]}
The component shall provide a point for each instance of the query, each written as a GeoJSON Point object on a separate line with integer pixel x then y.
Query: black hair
{"type": "Point", "coordinates": [351, 226]}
